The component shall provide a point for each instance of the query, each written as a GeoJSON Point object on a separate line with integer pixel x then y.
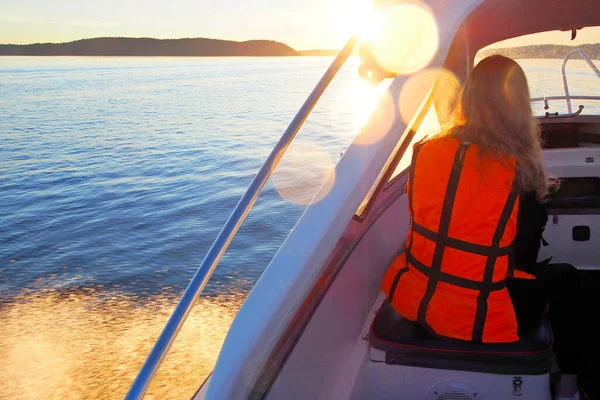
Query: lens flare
{"type": "Point", "coordinates": [417, 87]}
{"type": "Point", "coordinates": [412, 96]}
{"type": "Point", "coordinates": [305, 174]}
{"type": "Point", "coordinates": [407, 38]}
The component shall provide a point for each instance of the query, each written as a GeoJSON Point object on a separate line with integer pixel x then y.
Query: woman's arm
{"type": "Point", "coordinates": [531, 222]}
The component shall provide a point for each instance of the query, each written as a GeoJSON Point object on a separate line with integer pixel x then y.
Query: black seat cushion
{"type": "Point", "coordinates": [408, 343]}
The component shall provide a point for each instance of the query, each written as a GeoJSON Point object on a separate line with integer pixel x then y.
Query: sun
{"type": "Point", "coordinates": [370, 25]}
{"type": "Point", "coordinates": [358, 17]}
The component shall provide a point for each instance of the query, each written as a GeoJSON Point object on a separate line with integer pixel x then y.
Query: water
{"type": "Point", "coordinates": [117, 175]}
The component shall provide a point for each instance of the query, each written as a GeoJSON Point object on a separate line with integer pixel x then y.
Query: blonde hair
{"type": "Point", "coordinates": [494, 112]}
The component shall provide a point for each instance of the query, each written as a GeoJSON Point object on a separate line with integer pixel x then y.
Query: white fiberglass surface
{"type": "Point", "coordinates": [563, 248]}
{"type": "Point", "coordinates": [559, 234]}
{"type": "Point", "coordinates": [326, 354]}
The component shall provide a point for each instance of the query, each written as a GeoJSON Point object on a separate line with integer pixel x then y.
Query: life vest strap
{"type": "Point", "coordinates": [488, 274]}
{"type": "Point", "coordinates": [463, 245]}
{"type": "Point", "coordinates": [452, 279]}
{"type": "Point", "coordinates": [395, 283]}
{"type": "Point", "coordinates": [440, 244]}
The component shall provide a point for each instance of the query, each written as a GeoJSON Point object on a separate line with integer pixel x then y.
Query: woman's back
{"type": "Point", "coordinates": [465, 186]}
{"type": "Point", "coordinates": [463, 193]}
{"type": "Point", "coordinates": [464, 216]}
{"type": "Point", "coordinates": [482, 190]}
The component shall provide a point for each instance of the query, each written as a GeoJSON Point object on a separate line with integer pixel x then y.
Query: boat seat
{"type": "Point", "coordinates": [408, 343]}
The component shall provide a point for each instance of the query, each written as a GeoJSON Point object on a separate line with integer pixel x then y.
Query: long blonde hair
{"type": "Point", "coordinates": [494, 112]}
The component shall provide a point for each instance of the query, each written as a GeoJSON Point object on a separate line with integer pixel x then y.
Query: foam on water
{"type": "Point", "coordinates": [89, 344]}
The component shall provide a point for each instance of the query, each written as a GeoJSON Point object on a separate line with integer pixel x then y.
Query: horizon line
{"type": "Point", "coordinates": [233, 41]}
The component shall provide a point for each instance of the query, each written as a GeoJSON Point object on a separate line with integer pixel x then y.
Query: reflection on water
{"type": "Point", "coordinates": [121, 173]}
{"type": "Point", "coordinates": [86, 344]}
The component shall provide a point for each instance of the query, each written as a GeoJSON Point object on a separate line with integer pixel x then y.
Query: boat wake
{"type": "Point", "coordinates": [90, 344]}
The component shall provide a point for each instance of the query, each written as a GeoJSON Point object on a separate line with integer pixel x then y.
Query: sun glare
{"type": "Point", "coordinates": [365, 98]}
{"type": "Point", "coordinates": [370, 25]}
{"type": "Point", "coordinates": [405, 38]}
{"type": "Point", "coordinates": [357, 17]}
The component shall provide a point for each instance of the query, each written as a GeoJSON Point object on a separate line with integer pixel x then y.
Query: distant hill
{"type": "Point", "coordinates": [544, 51]}
{"type": "Point", "coordinates": [151, 47]}
{"type": "Point", "coordinates": [196, 47]}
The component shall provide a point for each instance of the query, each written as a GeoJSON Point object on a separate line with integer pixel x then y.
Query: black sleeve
{"type": "Point", "coordinates": [531, 222]}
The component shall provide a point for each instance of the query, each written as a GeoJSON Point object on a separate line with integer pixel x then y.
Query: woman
{"type": "Point", "coordinates": [465, 188]}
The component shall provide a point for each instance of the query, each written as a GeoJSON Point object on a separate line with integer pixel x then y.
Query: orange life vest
{"type": "Point", "coordinates": [452, 276]}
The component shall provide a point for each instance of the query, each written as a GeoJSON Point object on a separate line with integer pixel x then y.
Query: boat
{"type": "Point", "coordinates": [316, 325]}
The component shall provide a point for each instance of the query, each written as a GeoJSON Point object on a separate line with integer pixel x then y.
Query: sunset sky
{"type": "Point", "coordinates": [306, 24]}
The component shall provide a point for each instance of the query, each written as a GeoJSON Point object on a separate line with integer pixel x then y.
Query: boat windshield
{"type": "Point", "coordinates": [562, 73]}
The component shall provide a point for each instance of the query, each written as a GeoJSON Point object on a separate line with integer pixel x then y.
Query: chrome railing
{"type": "Point", "coordinates": [564, 75]}
{"type": "Point", "coordinates": [204, 272]}
{"type": "Point", "coordinates": [546, 99]}
{"type": "Point", "coordinates": [567, 95]}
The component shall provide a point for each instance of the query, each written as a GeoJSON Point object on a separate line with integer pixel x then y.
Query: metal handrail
{"type": "Point", "coordinates": [545, 99]}
{"type": "Point", "coordinates": [204, 272]}
{"type": "Point", "coordinates": [564, 75]}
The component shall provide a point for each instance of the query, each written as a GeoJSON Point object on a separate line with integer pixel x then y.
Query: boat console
{"type": "Point", "coordinates": [570, 132]}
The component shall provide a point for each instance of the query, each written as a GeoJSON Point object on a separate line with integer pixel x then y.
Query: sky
{"type": "Point", "coordinates": [293, 22]}
{"type": "Point", "coordinates": [302, 24]}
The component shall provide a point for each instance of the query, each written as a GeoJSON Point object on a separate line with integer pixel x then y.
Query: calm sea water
{"type": "Point", "coordinates": [116, 176]}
